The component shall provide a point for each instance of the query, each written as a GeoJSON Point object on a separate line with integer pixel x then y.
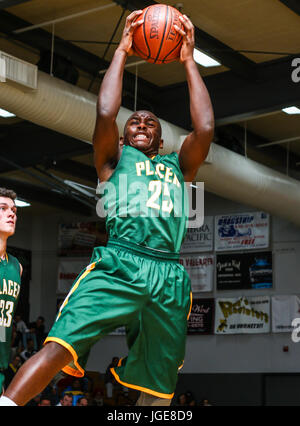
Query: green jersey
{"type": "Point", "coordinates": [10, 284]}
{"type": "Point", "coordinates": [146, 202]}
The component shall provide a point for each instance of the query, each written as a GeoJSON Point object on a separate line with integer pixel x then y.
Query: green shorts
{"type": "Point", "coordinates": [146, 291]}
{"type": "Point", "coordinates": [2, 380]}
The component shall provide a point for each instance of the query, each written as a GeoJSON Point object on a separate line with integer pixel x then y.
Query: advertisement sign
{"type": "Point", "coordinates": [242, 231]}
{"type": "Point", "coordinates": [201, 317]}
{"type": "Point", "coordinates": [68, 270]}
{"type": "Point", "coordinates": [284, 310]}
{"type": "Point", "coordinates": [199, 239]}
{"type": "Point", "coordinates": [79, 238]}
{"type": "Point", "coordinates": [237, 271]}
{"type": "Point", "coordinates": [242, 315]}
{"type": "Point", "coordinates": [201, 271]}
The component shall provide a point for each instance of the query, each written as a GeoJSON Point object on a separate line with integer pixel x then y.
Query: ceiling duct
{"type": "Point", "coordinates": [18, 72]}
{"type": "Point", "coordinates": [70, 110]}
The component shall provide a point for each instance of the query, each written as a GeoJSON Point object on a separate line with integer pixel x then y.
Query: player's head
{"type": "Point", "coordinates": [45, 402]}
{"type": "Point", "coordinates": [8, 212]}
{"type": "Point", "coordinates": [143, 131]}
{"type": "Point", "coordinates": [67, 399]}
{"type": "Point", "coordinates": [82, 402]}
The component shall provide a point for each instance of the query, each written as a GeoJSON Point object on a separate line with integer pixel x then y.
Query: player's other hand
{"type": "Point", "coordinates": [188, 39]}
{"type": "Point", "coordinates": [132, 22]}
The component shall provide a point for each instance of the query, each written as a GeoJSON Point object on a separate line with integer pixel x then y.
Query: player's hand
{"type": "Point", "coordinates": [132, 22]}
{"type": "Point", "coordinates": [188, 38]}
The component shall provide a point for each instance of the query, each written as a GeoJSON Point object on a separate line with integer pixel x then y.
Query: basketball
{"type": "Point", "coordinates": [156, 40]}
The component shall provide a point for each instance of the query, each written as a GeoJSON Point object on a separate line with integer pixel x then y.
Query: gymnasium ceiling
{"type": "Point", "coordinates": [254, 40]}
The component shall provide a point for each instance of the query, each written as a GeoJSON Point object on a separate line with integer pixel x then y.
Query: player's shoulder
{"type": "Point", "coordinates": [172, 157]}
{"type": "Point", "coordinates": [12, 260]}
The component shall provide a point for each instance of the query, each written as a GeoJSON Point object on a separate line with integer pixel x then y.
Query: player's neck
{"type": "Point", "coordinates": [3, 244]}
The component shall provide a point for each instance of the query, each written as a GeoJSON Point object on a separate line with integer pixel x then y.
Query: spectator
{"type": "Point", "coordinates": [98, 398]}
{"type": "Point", "coordinates": [11, 370]}
{"type": "Point", "coordinates": [52, 392]}
{"type": "Point", "coordinates": [82, 402]}
{"type": "Point", "coordinates": [21, 329]}
{"type": "Point", "coordinates": [66, 400]}
{"type": "Point", "coordinates": [28, 351]}
{"type": "Point", "coordinates": [205, 403]}
{"type": "Point", "coordinates": [38, 329]}
{"type": "Point", "coordinates": [109, 379]}
{"type": "Point", "coordinates": [76, 389]}
{"type": "Point", "coordinates": [182, 400]}
{"type": "Point", "coordinates": [34, 402]}
{"type": "Point", "coordinates": [45, 401]}
{"type": "Point", "coordinates": [190, 400]}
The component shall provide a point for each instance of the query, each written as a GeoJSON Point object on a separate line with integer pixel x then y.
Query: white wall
{"type": "Point", "coordinates": [204, 354]}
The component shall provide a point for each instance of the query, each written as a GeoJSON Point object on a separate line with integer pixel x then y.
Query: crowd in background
{"type": "Point", "coordinates": [94, 389]}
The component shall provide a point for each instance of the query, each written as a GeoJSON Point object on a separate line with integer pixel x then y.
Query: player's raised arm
{"type": "Point", "coordinates": [196, 145]}
{"type": "Point", "coordinates": [106, 135]}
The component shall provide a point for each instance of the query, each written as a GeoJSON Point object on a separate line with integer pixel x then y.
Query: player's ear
{"type": "Point", "coordinates": [121, 142]}
{"type": "Point", "coordinates": [161, 144]}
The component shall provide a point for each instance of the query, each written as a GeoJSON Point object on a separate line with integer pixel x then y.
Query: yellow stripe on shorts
{"type": "Point", "coordinates": [89, 268]}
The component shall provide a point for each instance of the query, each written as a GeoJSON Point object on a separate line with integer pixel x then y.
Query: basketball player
{"type": "Point", "coordinates": [10, 278]}
{"type": "Point", "coordinates": [136, 280]}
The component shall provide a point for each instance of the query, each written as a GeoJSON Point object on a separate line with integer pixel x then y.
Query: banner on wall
{"type": "Point", "coordinates": [284, 310]}
{"type": "Point", "coordinates": [68, 270]}
{"type": "Point", "coordinates": [79, 238]}
{"type": "Point", "coordinates": [199, 239]}
{"type": "Point", "coordinates": [236, 271]}
{"type": "Point", "coordinates": [200, 269]}
{"type": "Point", "coordinates": [242, 231]}
{"type": "Point", "coordinates": [242, 315]}
{"type": "Point", "coordinates": [201, 317]}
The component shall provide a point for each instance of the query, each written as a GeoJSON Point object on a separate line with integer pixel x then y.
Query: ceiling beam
{"type": "Point", "coordinates": [77, 170]}
{"type": "Point", "coordinates": [276, 157]}
{"type": "Point", "coordinates": [27, 144]}
{"type": "Point", "coordinates": [35, 193]}
{"type": "Point", "coordinates": [8, 3]}
{"type": "Point", "coordinates": [82, 59]}
{"type": "Point", "coordinates": [228, 57]}
{"type": "Point", "coordinates": [235, 99]}
{"type": "Point", "coordinates": [294, 5]}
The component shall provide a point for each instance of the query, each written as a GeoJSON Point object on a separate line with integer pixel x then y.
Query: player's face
{"type": "Point", "coordinates": [143, 132]}
{"type": "Point", "coordinates": [8, 216]}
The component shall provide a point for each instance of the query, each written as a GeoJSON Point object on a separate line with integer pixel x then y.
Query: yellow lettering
{"type": "Point", "coordinates": [4, 290]}
{"type": "Point", "coordinates": [148, 171]}
{"type": "Point", "coordinates": [176, 181]}
{"type": "Point", "coordinates": [158, 168]}
{"type": "Point", "coordinates": [16, 290]}
{"type": "Point", "coordinates": [10, 289]}
{"type": "Point", "coordinates": [169, 173]}
{"type": "Point", "coordinates": [139, 167]}
{"type": "Point", "coordinates": [226, 308]}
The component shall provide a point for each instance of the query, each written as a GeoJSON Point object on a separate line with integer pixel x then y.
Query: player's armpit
{"type": "Point", "coordinates": [193, 152]}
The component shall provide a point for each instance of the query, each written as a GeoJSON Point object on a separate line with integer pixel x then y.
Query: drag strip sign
{"type": "Point", "coordinates": [242, 231]}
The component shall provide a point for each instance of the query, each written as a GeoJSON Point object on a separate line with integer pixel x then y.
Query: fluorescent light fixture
{"type": "Point", "coordinates": [21, 203]}
{"type": "Point", "coordinates": [6, 114]}
{"type": "Point", "coordinates": [205, 60]}
{"type": "Point", "coordinates": [291, 110]}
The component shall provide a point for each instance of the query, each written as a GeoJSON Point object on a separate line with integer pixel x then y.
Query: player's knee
{"type": "Point", "coordinates": [54, 351]}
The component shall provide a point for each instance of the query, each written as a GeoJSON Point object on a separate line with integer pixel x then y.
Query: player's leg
{"type": "Point", "coordinates": [37, 372]}
{"type": "Point", "coordinates": [156, 338]}
{"type": "Point", "coordinates": [149, 400]}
